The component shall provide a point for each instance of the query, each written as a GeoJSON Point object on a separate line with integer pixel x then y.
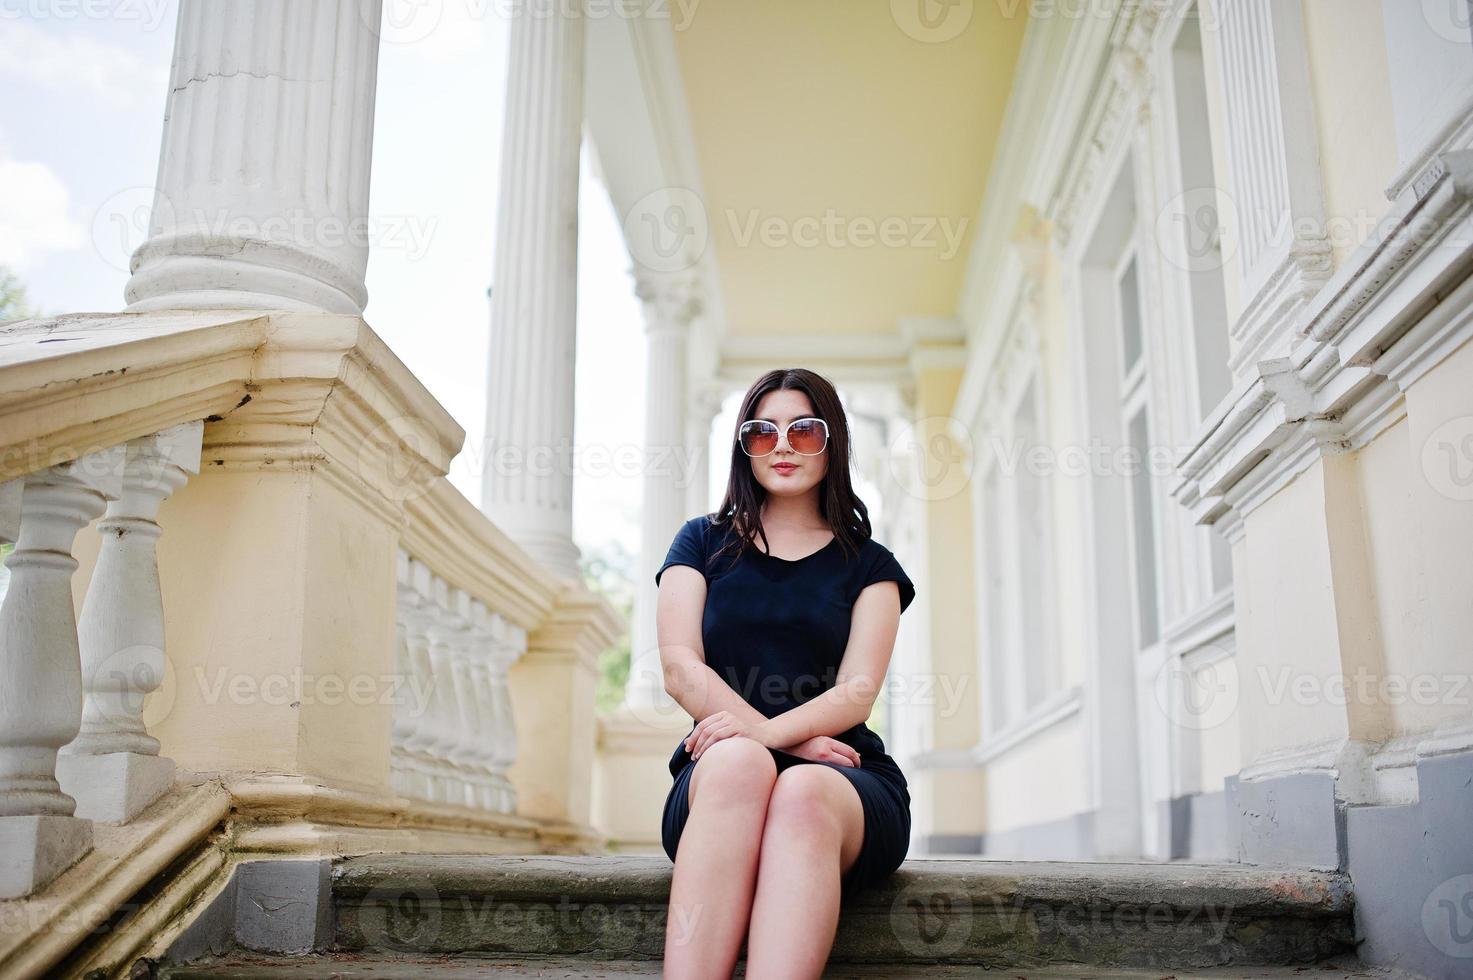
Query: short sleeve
{"type": "Point", "coordinates": [882, 566]}
{"type": "Point", "coordinates": [688, 548]}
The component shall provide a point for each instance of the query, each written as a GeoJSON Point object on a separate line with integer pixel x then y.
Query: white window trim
{"type": "Point", "coordinates": [1017, 375]}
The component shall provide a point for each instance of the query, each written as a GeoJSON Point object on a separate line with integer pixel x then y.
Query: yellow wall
{"type": "Point", "coordinates": [1420, 539]}
{"type": "Point", "coordinates": [1352, 94]}
{"type": "Point", "coordinates": [1042, 780]}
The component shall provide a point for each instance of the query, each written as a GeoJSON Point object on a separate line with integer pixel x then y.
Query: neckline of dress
{"type": "Point", "coordinates": [793, 561]}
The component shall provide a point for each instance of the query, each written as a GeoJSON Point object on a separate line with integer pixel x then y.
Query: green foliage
{"type": "Point", "coordinates": [609, 570]}
{"type": "Point", "coordinates": [14, 303]}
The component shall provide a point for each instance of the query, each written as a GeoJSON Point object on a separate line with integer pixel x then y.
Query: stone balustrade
{"type": "Point", "coordinates": [346, 633]}
{"type": "Point", "coordinates": [73, 744]}
{"type": "Point", "coordinates": [454, 734]}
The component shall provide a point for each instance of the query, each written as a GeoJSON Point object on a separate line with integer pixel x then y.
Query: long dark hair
{"type": "Point", "coordinates": [741, 507]}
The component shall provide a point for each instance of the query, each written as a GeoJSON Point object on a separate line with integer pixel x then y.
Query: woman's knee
{"type": "Point", "coordinates": [735, 769]}
{"type": "Point", "coordinates": [811, 798]}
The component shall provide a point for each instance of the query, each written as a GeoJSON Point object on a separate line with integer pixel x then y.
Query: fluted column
{"type": "Point", "coordinates": [528, 473]}
{"type": "Point", "coordinates": [671, 304]}
{"type": "Point", "coordinates": [262, 192]}
{"type": "Point", "coordinates": [1283, 250]}
{"type": "Point", "coordinates": [704, 407]}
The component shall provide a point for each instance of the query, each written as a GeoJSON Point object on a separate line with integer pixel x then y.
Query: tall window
{"type": "Point", "coordinates": [1134, 406]}
{"type": "Point", "coordinates": [1201, 246]}
{"type": "Point", "coordinates": [997, 674]}
{"type": "Point", "coordinates": [1021, 656]}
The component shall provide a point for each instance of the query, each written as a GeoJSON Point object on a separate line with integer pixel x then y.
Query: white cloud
{"type": "Point", "coordinates": [440, 31]}
{"type": "Point", "coordinates": [112, 74]}
{"type": "Point", "coordinates": [34, 214]}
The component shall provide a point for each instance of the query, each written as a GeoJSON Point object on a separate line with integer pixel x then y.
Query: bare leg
{"type": "Point", "coordinates": [813, 833]}
{"type": "Point", "coordinates": [716, 859]}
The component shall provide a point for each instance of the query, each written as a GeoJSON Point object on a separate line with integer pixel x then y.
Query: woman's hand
{"type": "Point", "coordinates": [718, 725]}
{"type": "Point", "coordinates": [822, 748]}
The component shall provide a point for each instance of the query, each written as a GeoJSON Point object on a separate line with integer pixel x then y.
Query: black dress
{"type": "Point", "coordinates": [775, 630]}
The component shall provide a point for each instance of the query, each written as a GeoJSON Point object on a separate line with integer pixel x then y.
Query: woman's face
{"type": "Point", "coordinates": [783, 472]}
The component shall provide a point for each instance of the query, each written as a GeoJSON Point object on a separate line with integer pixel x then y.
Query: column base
{"type": "Point", "coordinates": [1294, 820]}
{"type": "Point", "coordinates": [34, 850]}
{"type": "Point", "coordinates": [114, 787]}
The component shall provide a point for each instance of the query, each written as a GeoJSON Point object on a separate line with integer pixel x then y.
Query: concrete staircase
{"type": "Point", "coordinates": [548, 916]}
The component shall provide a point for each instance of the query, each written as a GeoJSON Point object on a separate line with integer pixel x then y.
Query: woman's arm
{"type": "Point", "coordinates": [873, 627]}
{"type": "Point", "coordinates": [679, 607]}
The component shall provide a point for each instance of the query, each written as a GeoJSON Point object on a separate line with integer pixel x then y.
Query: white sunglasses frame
{"type": "Point", "coordinates": [782, 435]}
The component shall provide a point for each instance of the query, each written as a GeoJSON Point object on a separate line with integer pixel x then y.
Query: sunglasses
{"type": "Point", "coordinates": [806, 437]}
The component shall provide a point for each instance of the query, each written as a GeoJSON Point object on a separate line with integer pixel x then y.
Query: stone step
{"type": "Point", "coordinates": [563, 968]}
{"type": "Point", "coordinates": [993, 914]}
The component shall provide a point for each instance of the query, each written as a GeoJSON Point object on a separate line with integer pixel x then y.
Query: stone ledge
{"type": "Point", "coordinates": [991, 913]}
{"type": "Point", "coordinates": [1283, 891]}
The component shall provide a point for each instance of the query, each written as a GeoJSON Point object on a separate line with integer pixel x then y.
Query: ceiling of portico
{"type": "Point", "coordinates": [843, 149]}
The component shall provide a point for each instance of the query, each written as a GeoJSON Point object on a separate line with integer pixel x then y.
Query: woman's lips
{"type": "Point", "coordinates": [785, 467]}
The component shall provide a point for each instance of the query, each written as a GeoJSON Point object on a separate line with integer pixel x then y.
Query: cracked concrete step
{"type": "Point", "coordinates": [289, 968]}
{"type": "Point", "coordinates": [994, 914]}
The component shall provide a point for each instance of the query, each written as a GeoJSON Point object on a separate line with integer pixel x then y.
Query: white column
{"type": "Point", "coordinates": [671, 304]}
{"type": "Point", "coordinates": [262, 192]}
{"type": "Point", "coordinates": [528, 475]}
{"type": "Point", "coordinates": [113, 768]}
{"type": "Point", "coordinates": [704, 407]}
{"type": "Point", "coordinates": [40, 670]}
{"type": "Point", "coordinates": [1277, 211]}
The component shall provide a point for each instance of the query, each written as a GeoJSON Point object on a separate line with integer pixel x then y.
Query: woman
{"type": "Point", "coordinates": [776, 619]}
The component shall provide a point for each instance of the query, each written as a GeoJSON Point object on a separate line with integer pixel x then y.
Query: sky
{"type": "Point", "coordinates": [82, 88]}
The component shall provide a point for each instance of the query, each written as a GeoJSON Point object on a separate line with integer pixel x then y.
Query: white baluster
{"type": "Point", "coordinates": [419, 612]}
{"type": "Point", "coordinates": [462, 753]}
{"type": "Point", "coordinates": [113, 768]}
{"type": "Point", "coordinates": [40, 671]}
{"type": "Point", "coordinates": [483, 639]}
{"type": "Point", "coordinates": [509, 645]}
{"type": "Point", "coordinates": [402, 775]}
{"type": "Point", "coordinates": [444, 712]}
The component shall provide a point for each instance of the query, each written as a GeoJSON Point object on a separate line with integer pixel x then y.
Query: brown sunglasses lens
{"type": "Point", "coordinates": [807, 436]}
{"type": "Point", "coordinates": [759, 439]}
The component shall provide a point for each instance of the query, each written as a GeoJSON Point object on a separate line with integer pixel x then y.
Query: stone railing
{"type": "Point", "coordinates": [73, 745]}
{"type": "Point", "coordinates": [347, 636]}
{"type": "Point", "coordinates": [455, 737]}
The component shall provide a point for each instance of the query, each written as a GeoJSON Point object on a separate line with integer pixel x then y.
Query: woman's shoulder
{"type": "Point", "coordinates": [869, 547]}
